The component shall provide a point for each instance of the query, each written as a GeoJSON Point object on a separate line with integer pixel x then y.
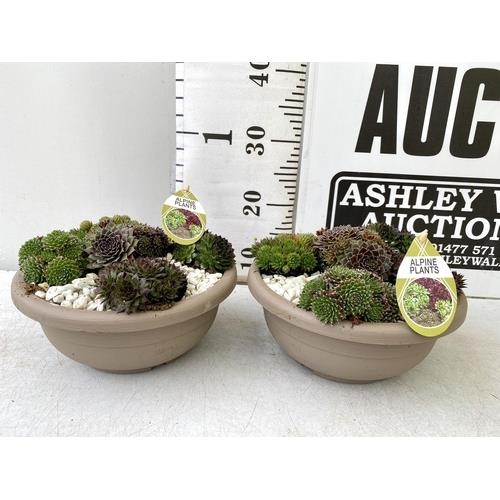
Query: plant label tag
{"type": "Point", "coordinates": [183, 218]}
{"type": "Point", "coordinates": [425, 289]}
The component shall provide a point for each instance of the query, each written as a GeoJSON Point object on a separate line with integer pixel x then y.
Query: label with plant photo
{"type": "Point", "coordinates": [425, 289]}
{"type": "Point", "coordinates": [183, 218]}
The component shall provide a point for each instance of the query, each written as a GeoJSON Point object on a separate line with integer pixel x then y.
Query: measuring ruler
{"type": "Point", "coordinates": [239, 129]}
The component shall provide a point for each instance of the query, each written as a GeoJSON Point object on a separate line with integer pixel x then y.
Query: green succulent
{"type": "Point", "coordinates": [416, 299]}
{"type": "Point", "coordinates": [327, 308]}
{"type": "Point", "coordinates": [62, 243]}
{"type": "Point", "coordinates": [33, 269]}
{"type": "Point", "coordinates": [214, 253]}
{"type": "Point", "coordinates": [111, 244]}
{"type": "Point", "coordinates": [195, 230]}
{"type": "Point", "coordinates": [30, 248]}
{"type": "Point", "coordinates": [358, 294]}
{"type": "Point", "coordinates": [62, 270]}
{"type": "Point", "coordinates": [125, 219]}
{"type": "Point", "coordinates": [444, 308]}
{"type": "Point", "coordinates": [183, 253]}
{"type": "Point", "coordinates": [286, 254]}
{"type": "Point", "coordinates": [341, 292]}
{"type": "Point", "coordinates": [151, 242]}
{"type": "Point", "coordinates": [86, 225]}
{"type": "Point", "coordinates": [311, 288]}
{"type": "Point", "coordinates": [175, 219]}
{"type": "Point", "coordinates": [79, 233]}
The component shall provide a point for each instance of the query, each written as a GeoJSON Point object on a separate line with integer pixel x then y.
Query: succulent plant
{"type": "Point", "coordinates": [358, 247]}
{"type": "Point", "coordinates": [214, 253]}
{"type": "Point", "coordinates": [86, 226]}
{"type": "Point", "coordinates": [167, 283]}
{"type": "Point", "coordinates": [111, 244]}
{"type": "Point", "coordinates": [400, 240]}
{"type": "Point", "coordinates": [151, 242]}
{"type": "Point", "coordinates": [195, 229]}
{"type": "Point", "coordinates": [183, 253]}
{"type": "Point", "coordinates": [62, 243]}
{"type": "Point", "coordinates": [175, 219]}
{"type": "Point", "coordinates": [62, 270]}
{"type": "Point", "coordinates": [343, 293]}
{"type": "Point", "coordinates": [444, 308]}
{"type": "Point", "coordinates": [30, 248]}
{"type": "Point", "coordinates": [141, 284]}
{"type": "Point", "coordinates": [33, 269]}
{"type": "Point", "coordinates": [286, 254]}
{"type": "Point", "coordinates": [389, 302]}
{"type": "Point", "coordinates": [124, 219]}
{"type": "Point", "coordinates": [460, 282]}
{"type": "Point", "coordinates": [311, 288]}
{"type": "Point", "coordinates": [123, 291]}
{"type": "Point", "coordinates": [327, 308]}
{"type": "Point", "coordinates": [437, 291]}
{"type": "Point", "coordinates": [416, 299]}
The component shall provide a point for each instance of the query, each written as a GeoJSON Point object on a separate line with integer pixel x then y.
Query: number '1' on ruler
{"type": "Point", "coordinates": [239, 129]}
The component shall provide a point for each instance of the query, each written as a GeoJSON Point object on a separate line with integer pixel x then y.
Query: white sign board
{"type": "Point", "coordinates": [417, 146]}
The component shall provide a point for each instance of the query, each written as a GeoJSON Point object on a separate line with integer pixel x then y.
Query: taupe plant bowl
{"type": "Point", "coordinates": [343, 352]}
{"type": "Point", "coordinates": [125, 343]}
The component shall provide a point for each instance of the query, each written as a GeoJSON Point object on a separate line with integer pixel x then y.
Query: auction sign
{"type": "Point", "coordinates": [415, 146]}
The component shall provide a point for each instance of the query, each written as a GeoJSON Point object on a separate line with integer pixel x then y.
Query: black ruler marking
{"type": "Point", "coordinates": [186, 132]}
{"type": "Point", "coordinates": [283, 140]}
{"type": "Point", "coordinates": [290, 107]}
{"type": "Point", "coordinates": [279, 204]}
{"type": "Point", "coordinates": [278, 70]}
{"type": "Point", "coordinates": [285, 173]}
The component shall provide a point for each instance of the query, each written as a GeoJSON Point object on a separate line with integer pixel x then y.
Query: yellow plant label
{"type": "Point", "coordinates": [183, 218]}
{"type": "Point", "coordinates": [425, 289]}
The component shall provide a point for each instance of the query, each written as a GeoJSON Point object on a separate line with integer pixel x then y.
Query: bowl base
{"type": "Point", "coordinates": [343, 380]}
{"type": "Point", "coordinates": [125, 372]}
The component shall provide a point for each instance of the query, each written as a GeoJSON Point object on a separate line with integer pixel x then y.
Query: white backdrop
{"type": "Point", "coordinates": [79, 140]}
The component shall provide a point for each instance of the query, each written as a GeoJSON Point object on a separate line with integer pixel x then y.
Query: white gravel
{"type": "Point", "coordinates": [289, 287]}
{"type": "Point", "coordinates": [82, 293]}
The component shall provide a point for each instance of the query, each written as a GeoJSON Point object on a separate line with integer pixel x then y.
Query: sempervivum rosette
{"type": "Point", "coordinates": [111, 244]}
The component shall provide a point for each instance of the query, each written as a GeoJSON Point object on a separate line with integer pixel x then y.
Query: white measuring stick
{"type": "Point", "coordinates": [239, 136]}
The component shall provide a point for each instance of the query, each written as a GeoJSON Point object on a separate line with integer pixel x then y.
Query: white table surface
{"type": "Point", "coordinates": [238, 382]}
